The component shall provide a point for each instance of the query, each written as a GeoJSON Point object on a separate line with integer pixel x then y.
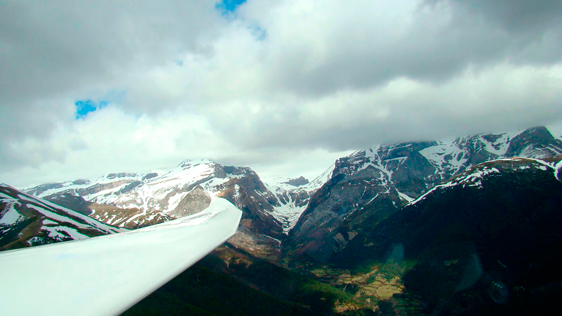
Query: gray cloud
{"type": "Point", "coordinates": [53, 53]}
{"type": "Point", "coordinates": [55, 48]}
{"type": "Point", "coordinates": [438, 42]}
{"type": "Point", "coordinates": [514, 16]}
{"type": "Point", "coordinates": [502, 98]}
{"type": "Point", "coordinates": [329, 77]}
{"type": "Point", "coordinates": [532, 26]}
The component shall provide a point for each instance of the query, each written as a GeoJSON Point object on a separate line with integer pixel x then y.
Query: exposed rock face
{"type": "Point", "coordinates": [120, 175]}
{"type": "Point", "coordinates": [149, 176]}
{"type": "Point", "coordinates": [256, 202]}
{"type": "Point", "coordinates": [259, 245]}
{"type": "Point", "coordinates": [193, 202]}
{"type": "Point", "coordinates": [316, 233]}
{"type": "Point", "coordinates": [73, 202]}
{"type": "Point", "coordinates": [391, 175]}
{"type": "Point", "coordinates": [496, 191]}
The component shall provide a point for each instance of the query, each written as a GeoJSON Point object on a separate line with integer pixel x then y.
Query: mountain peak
{"type": "Point", "coordinates": [535, 141]}
{"type": "Point", "coordinates": [112, 176]}
{"type": "Point", "coordinates": [189, 163]}
{"type": "Point", "coordinates": [300, 181]}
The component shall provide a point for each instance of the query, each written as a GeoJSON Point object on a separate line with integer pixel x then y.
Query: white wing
{"type": "Point", "coordinates": [107, 275]}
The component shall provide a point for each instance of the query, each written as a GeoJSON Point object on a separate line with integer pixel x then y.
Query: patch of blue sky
{"type": "Point", "coordinates": [228, 6]}
{"type": "Point", "coordinates": [259, 33]}
{"type": "Point", "coordinates": [85, 107]}
{"type": "Point", "coordinates": [88, 105]}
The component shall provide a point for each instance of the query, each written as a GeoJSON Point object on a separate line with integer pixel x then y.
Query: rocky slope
{"type": "Point", "coordinates": [486, 242]}
{"type": "Point", "coordinates": [369, 185]}
{"type": "Point", "coordinates": [29, 221]}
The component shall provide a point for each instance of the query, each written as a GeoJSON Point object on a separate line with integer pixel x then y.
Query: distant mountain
{"type": "Point", "coordinates": [369, 185]}
{"type": "Point", "coordinates": [28, 221]}
{"type": "Point", "coordinates": [321, 216]}
{"type": "Point", "coordinates": [134, 200]}
{"type": "Point", "coordinates": [181, 191]}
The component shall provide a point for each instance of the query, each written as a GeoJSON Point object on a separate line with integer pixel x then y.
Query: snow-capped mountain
{"type": "Point", "coordinates": [29, 221]}
{"type": "Point", "coordinates": [320, 216]}
{"type": "Point", "coordinates": [494, 226]}
{"type": "Point", "coordinates": [134, 200]}
{"type": "Point", "coordinates": [390, 176]}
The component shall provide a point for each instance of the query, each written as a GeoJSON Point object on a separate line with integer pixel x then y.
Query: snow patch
{"type": "Point", "coordinates": [405, 196]}
{"type": "Point", "coordinates": [174, 201]}
{"type": "Point", "coordinates": [558, 171]}
{"type": "Point", "coordinates": [236, 195]}
{"type": "Point", "coordinates": [446, 156]}
{"type": "Point", "coordinates": [500, 145]}
{"type": "Point", "coordinates": [87, 219]}
{"type": "Point", "coordinates": [371, 200]}
{"type": "Point", "coordinates": [288, 215]}
{"type": "Point", "coordinates": [56, 216]}
{"type": "Point", "coordinates": [58, 232]}
{"type": "Point", "coordinates": [11, 217]}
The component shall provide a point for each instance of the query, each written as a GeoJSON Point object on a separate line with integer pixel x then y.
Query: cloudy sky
{"type": "Point", "coordinates": [283, 86]}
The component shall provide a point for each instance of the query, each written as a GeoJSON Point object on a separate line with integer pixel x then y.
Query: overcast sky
{"type": "Point", "coordinates": [285, 86]}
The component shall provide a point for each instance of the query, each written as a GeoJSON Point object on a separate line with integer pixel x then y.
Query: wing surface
{"type": "Point", "coordinates": [106, 275]}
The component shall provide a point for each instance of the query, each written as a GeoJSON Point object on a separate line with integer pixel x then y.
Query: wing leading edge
{"type": "Point", "coordinates": [106, 275]}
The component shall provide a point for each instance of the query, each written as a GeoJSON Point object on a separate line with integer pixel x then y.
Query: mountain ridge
{"type": "Point", "coordinates": [295, 216]}
{"type": "Point", "coordinates": [395, 174]}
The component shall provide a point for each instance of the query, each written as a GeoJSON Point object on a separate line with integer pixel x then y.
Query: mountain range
{"type": "Point", "coordinates": [388, 177]}
{"type": "Point", "coordinates": [133, 200]}
{"type": "Point", "coordinates": [372, 228]}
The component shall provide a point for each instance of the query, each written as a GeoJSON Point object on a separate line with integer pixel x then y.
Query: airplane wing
{"type": "Point", "coordinates": [106, 275]}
